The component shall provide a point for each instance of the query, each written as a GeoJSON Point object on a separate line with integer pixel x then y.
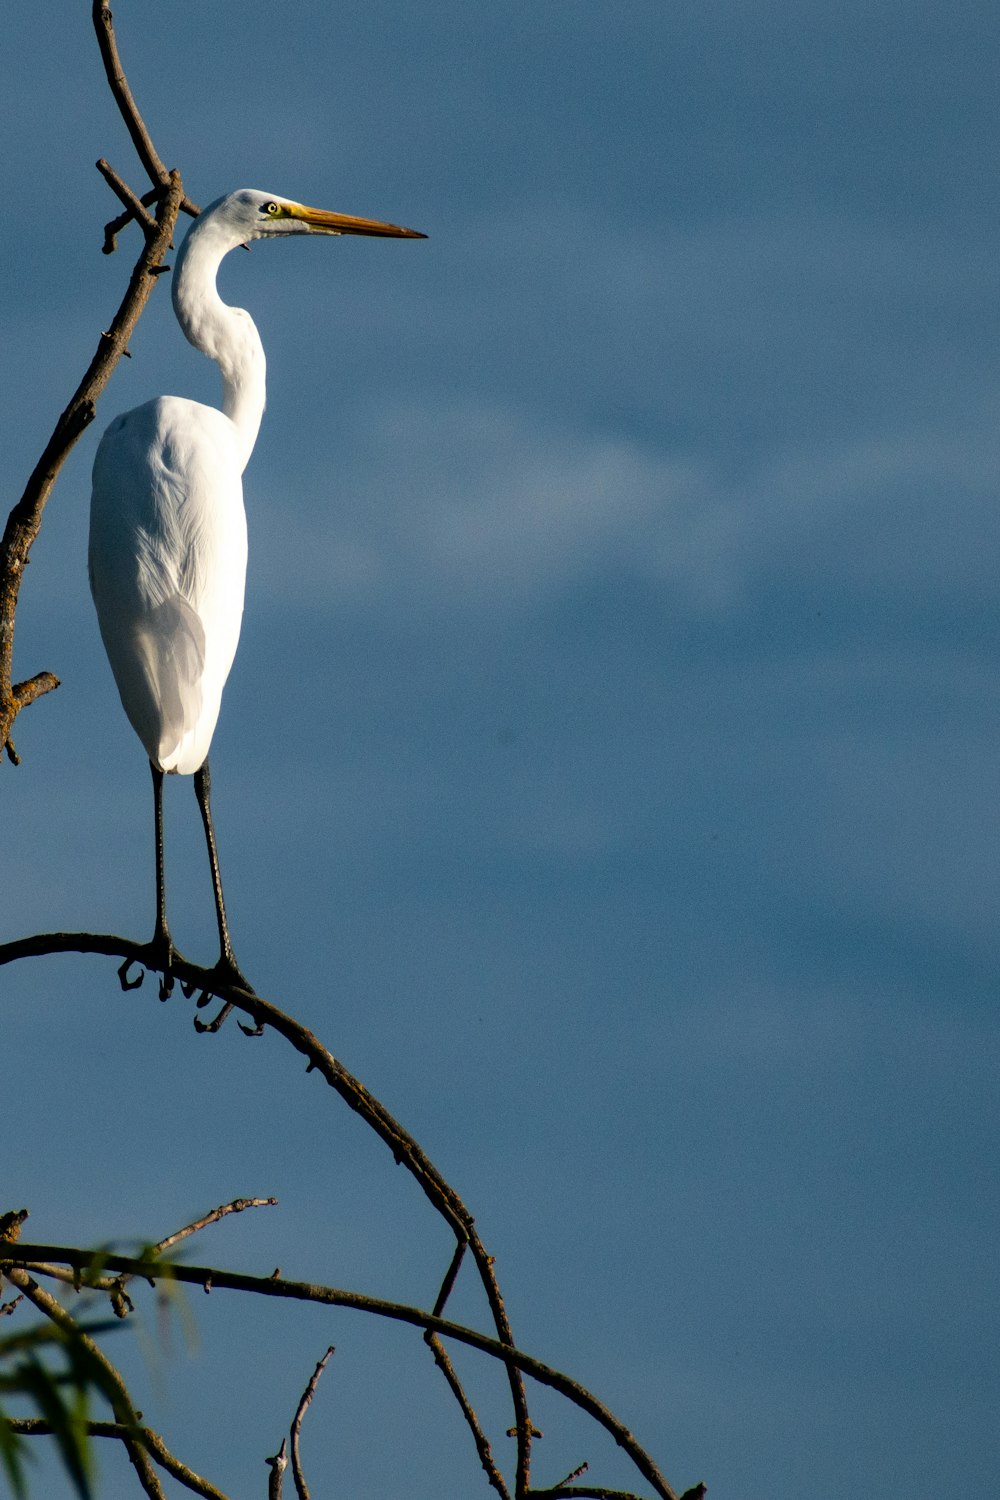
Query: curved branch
{"type": "Point", "coordinates": [134, 123]}
{"type": "Point", "coordinates": [16, 1259]}
{"type": "Point", "coordinates": [404, 1148]}
{"type": "Point", "coordinates": [118, 84]}
{"type": "Point", "coordinates": [301, 1488]}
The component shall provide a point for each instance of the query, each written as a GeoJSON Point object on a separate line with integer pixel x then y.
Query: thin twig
{"type": "Point", "coordinates": [136, 208]}
{"type": "Point", "coordinates": [582, 1492]}
{"type": "Point", "coordinates": [449, 1279]}
{"type": "Point", "coordinates": [24, 1255]}
{"type": "Point", "coordinates": [237, 1206]}
{"type": "Point", "coordinates": [129, 110]}
{"type": "Point", "coordinates": [479, 1437]}
{"type": "Point", "coordinates": [39, 1427]}
{"type": "Point", "coordinates": [115, 1285]}
{"type": "Point", "coordinates": [301, 1488]}
{"type": "Point", "coordinates": [444, 1364]}
{"type": "Point", "coordinates": [118, 83]}
{"type": "Point", "coordinates": [114, 226]}
{"type": "Point", "coordinates": [573, 1474]}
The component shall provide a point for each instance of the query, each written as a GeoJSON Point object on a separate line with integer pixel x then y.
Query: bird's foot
{"type": "Point", "coordinates": [158, 956]}
{"type": "Point", "coordinates": [228, 972]}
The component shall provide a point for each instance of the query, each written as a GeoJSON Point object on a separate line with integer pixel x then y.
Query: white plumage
{"type": "Point", "coordinates": [168, 554]}
{"type": "Point", "coordinates": [168, 534]}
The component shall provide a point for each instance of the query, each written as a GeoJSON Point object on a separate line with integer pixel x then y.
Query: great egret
{"type": "Point", "coordinates": [168, 535]}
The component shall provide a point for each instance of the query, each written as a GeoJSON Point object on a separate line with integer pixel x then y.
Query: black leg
{"type": "Point", "coordinates": [161, 933]}
{"type": "Point", "coordinates": [161, 946]}
{"type": "Point", "coordinates": [227, 966]}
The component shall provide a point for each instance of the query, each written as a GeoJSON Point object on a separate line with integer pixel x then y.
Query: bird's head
{"type": "Point", "coordinates": [253, 215]}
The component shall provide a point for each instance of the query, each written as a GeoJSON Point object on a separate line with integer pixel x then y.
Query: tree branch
{"type": "Point", "coordinates": [301, 1488]}
{"type": "Point", "coordinates": [39, 1427]}
{"type": "Point", "coordinates": [129, 111]}
{"type": "Point", "coordinates": [583, 1492]}
{"type": "Point", "coordinates": [118, 83]}
{"type": "Point", "coordinates": [483, 1448]}
{"type": "Point", "coordinates": [16, 1259]}
{"type": "Point", "coordinates": [135, 207]}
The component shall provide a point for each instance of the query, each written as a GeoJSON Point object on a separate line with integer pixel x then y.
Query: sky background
{"type": "Point", "coordinates": [608, 773]}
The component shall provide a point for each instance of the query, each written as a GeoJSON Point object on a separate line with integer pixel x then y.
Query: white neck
{"type": "Point", "coordinates": [226, 334]}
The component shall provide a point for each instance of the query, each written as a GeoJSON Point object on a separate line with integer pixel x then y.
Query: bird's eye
{"type": "Point", "coordinates": [272, 209]}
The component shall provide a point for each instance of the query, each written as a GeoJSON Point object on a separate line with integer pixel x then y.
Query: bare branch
{"type": "Point", "coordinates": [210, 1277]}
{"type": "Point", "coordinates": [301, 1488]}
{"type": "Point", "coordinates": [39, 1427]}
{"type": "Point", "coordinates": [118, 83]}
{"type": "Point", "coordinates": [135, 206]}
{"type": "Point", "coordinates": [582, 1492]}
{"type": "Point", "coordinates": [450, 1277]}
{"type": "Point", "coordinates": [129, 110]}
{"type": "Point", "coordinates": [115, 226]}
{"type": "Point", "coordinates": [237, 1206]}
{"type": "Point", "coordinates": [479, 1437]}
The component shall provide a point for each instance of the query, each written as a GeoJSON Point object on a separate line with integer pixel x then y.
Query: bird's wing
{"type": "Point", "coordinates": [167, 569]}
{"type": "Point", "coordinates": [169, 646]}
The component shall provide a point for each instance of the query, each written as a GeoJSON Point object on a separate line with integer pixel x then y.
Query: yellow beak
{"type": "Point", "coordinates": [324, 222]}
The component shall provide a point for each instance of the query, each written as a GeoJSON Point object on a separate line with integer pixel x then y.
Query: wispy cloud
{"type": "Point", "coordinates": [486, 506]}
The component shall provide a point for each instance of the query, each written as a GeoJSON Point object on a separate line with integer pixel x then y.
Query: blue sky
{"type": "Point", "coordinates": [608, 773]}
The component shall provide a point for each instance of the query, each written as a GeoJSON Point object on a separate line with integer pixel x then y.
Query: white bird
{"type": "Point", "coordinates": [168, 535]}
